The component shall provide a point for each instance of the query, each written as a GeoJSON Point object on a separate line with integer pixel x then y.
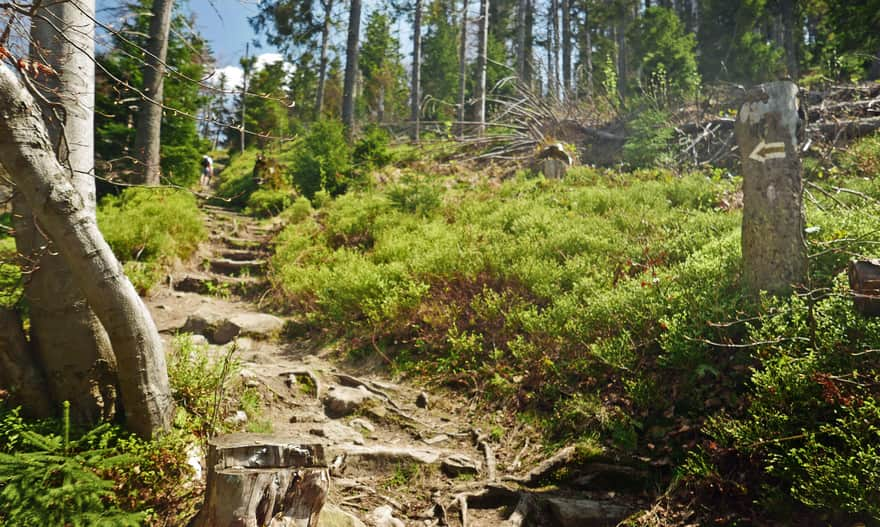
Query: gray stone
{"type": "Point", "coordinates": [436, 439]}
{"type": "Point", "coordinates": [220, 329]}
{"type": "Point", "coordinates": [336, 432]}
{"type": "Point", "coordinates": [340, 401]}
{"type": "Point", "coordinates": [458, 464]}
{"type": "Point", "coordinates": [238, 418]}
{"type": "Point", "coordinates": [333, 516]}
{"type": "Point", "coordinates": [570, 512]}
{"type": "Point", "coordinates": [363, 423]}
{"type": "Point", "coordinates": [387, 456]}
{"type": "Point", "coordinates": [384, 517]}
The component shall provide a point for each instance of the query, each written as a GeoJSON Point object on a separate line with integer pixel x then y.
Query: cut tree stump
{"type": "Point", "coordinates": [864, 279]}
{"type": "Point", "coordinates": [258, 480]}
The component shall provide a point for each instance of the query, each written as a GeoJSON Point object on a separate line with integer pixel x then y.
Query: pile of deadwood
{"type": "Point", "coordinates": [524, 123]}
{"type": "Point", "coordinates": [830, 119]}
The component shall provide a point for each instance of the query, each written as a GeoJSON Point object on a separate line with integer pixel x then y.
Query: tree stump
{"type": "Point", "coordinates": [864, 279]}
{"type": "Point", "coordinates": [773, 246]}
{"type": "Point", "coordinates": [258, 480]}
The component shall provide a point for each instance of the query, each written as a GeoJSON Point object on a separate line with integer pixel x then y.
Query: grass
{"type": "Point", "coordinates": [605, 307]}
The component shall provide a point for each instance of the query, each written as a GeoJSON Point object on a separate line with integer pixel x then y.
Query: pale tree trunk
{"type": "Point", "coordinates": [773, 247]}
{"type": "Point", "coordinates": [147, 139]}
{"type": "Point", "coordinates": [588, 53]}
{"type": "Point", "coordinates": [68, 338]}
{"type": "Point", "coordinates": [322, 67]}
{"type": "Point", "coordinates": [64, 215]}
{"type": "Point", "coordinates": [351, 67]}
{"type": "Point", "coordinates": [623, 23]}
{"type": "Point", "coordinates": [416, 90]}
{"type": "Point", "coordinates": [480, 91]}
{"type": "Point", "coordinates": [566, 47]}
{"type": "Point", "coordinates": [462, 68]}
{"type": "Point", "coordinates": [530, 41]}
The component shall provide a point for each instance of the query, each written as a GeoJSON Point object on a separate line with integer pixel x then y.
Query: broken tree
{"type": "Point", "coordinates": [774, 251]}
{"type": "Point", "coordinates": [263, 480]}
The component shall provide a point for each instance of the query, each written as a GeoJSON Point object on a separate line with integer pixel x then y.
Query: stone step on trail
{"type": "Point", "coordinates": [211, 284]}
{"type": "Point", "coordinates": [242, 255]}
{"type": "Point", "coordinates": [237, 267]}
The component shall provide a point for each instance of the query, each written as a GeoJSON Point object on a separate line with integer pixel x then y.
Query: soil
{"type": "Point", "coordinates": [389, 441]}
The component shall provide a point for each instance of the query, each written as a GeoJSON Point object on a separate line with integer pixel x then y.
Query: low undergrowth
{"type": "Point", "coordinates": [609, 306]}
{"type": "Point", "coordinates": [150, 229]}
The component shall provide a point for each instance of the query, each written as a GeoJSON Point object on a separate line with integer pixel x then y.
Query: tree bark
{"type": "Point", "coordinates": [566, 48]}
{"type": "Point", "coordinates": [263, 480]}
{"type": "Point", "coordinates": [554, 20]}
{"type": "Point", "coordinates": [20, 373]}
{"type": "Point", "coordinates": [462, 68]}
{"type": "Point", "coordinates": [63, 214]}
{"type": "Point", "coordinates": [351, 66]}
{"type": "Point", "coordinates": [521, 14]}
{"type": "Point", "coordinates": [416, 91]}
{"type": "Point", "coordinates": [480, 91]}
{"type": "Point", "coordinates": [147, 139]}
{"type": "Point", "coordinates": [773, 246]}
{"type": "Point", "coordinates": [322, 67]}
{"type": "Point", "coordinates": [789, 30]}
{"type": "Point", "coordinates": [66, 335]}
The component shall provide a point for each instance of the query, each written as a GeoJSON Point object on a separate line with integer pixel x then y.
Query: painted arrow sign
{"type": "Point", "coordinates": [764, 151]}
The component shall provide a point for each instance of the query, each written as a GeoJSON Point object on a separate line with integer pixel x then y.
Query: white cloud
{"type": "Point", "coordinates": [235, 75]}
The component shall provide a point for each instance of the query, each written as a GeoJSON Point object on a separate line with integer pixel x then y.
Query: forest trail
{"type": "Point", "coordinates": [400, 456]}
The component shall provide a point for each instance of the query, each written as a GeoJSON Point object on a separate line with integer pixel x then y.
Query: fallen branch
{"type": "Point", "coordinates": [545, 468]}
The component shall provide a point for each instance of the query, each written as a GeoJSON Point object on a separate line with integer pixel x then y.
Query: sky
{"type": "Point", "coordinates": [224, 24]}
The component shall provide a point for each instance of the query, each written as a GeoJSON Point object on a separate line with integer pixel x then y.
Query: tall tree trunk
{"type": "Point", "coordinates": [554, 20]}
{"type": "Point", "coordinates": [65, 216]}
{"type": "Point", "coordinates": [351, 66]}
{"type": "Point", "coordinates": [68, 338]}
{"type": "Point", "coordinates": [588, 52]}
{"type": "Point", "coordinates": [790, 29]}
{"type": "Point", "coordinates": [247, 64]}
{"type": "Point", "coordinates": [480, 91]}
{"type": "Point", "coordinates": [622, 24]}
{"type": "Point", "coordinates": [522, 10]}
{"type": "Point", "coordinates": [566, 48]}
{"type": "Point", "coordinates": [462, 68]}
{"type": "Point", "coordinates": [322, 67]}
{"type": "Point", "coordinates": [416, 91]}
{"type": "Point", "coordinates": [148, 136]}
{"type": "Point", "coordinates": [528, 75]}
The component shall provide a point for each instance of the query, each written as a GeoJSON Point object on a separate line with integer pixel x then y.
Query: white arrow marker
{"type": "Point", "coordinates": [761, 154]}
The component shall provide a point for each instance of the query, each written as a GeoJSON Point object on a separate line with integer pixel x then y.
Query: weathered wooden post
{"type": "Point", "coordinates": [773, 246]}
{"type": "Point", "coordinates": [256, 481]}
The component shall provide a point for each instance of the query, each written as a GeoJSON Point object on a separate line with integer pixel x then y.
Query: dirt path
{"type": "Point", "coordinates": [402, 454]}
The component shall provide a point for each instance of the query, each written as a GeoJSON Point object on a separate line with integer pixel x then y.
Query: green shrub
{"type": "Point", "coordinates": [415, 195]}
{"type": "Point", "coordinates": [298, 211]}
{"type": "Point", "coordinates": [862, 158]}
{"type": "Point", "coordinates": [323, 160]}
{"type": "Point", "coordinates": [236, 181]}
{"type": "Point", "coordinates": [265, 203]}
{"type": "Point", "coordinates": [153, 226]}
{"type": "Point", "coordinates": [371, 150]}
{"type": "Point", "coordinates": [649, 139]}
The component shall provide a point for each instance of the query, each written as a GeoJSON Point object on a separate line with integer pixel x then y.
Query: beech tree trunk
{"type": "Point", "coordinates": [63, 214]}
{"type": "Point", "coordinates": [416, 91]}
{"type": "Point", "coordinates": [521, 10]}
{"type": "Point", "coordinates": [322, 67]}
{"type": "Point", "coordinates": [480, 91]}
{"type": "Point", "coordinates": [147, 139]}
{"type": "Point", "coordinates": [256, 480]}
{"type": "Point", "coordinates": [351, 66]}
{"type": "Point", "coordinates": [67, 337]}
{"type": "Point", "coordinates": [773, 246]}
{"type": "Point", "coordinates": [20, 373]}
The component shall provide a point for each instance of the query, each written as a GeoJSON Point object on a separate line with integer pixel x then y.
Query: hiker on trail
{"type": "Point", "coordinates": [207, 170]}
